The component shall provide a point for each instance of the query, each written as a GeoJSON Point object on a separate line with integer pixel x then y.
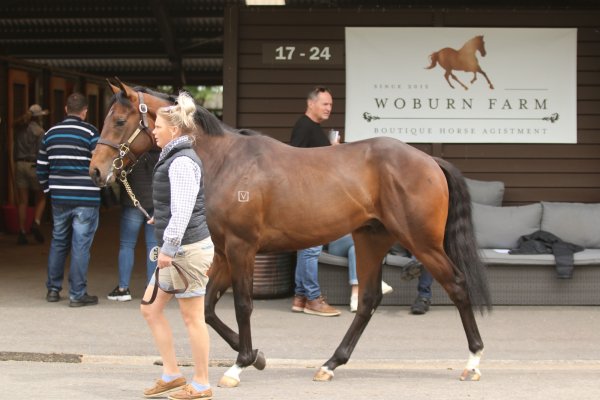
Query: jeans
{"type": "Point", "coordinates": [307, 273]}
{"type": "Point", "coordinates": [73, 231]}
{"type": "Point", "coordinates": [424, 286]}
{"type": "Point", "coordinates": [132, 220]}
{"type": "Point", "coordinates": [344, 247]}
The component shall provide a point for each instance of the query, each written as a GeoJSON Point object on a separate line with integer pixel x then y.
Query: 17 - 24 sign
{"type": "Point", "coordinates": [302, 53]}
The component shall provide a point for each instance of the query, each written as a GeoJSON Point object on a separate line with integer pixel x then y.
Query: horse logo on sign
{"type": "Point", "coordinates": [461, 60]}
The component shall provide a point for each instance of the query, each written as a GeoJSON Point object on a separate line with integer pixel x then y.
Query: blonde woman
{"type": "Point", "coordinates": [183, 237]}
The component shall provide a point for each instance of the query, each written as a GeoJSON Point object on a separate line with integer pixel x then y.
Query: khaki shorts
{"type": "Point", "coordinates": [195, 259]}
{"type": "Point", "coordinates": [25, 176]}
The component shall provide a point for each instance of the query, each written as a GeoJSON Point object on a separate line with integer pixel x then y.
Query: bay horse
{"type": "Point", "coordinates": [461, 60]}
{"type": "Point", "coordinates": [382, 190]}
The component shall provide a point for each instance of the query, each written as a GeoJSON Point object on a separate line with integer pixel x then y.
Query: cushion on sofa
{"type": "Point", "coordinates": [501, 227]}
{"type": "Point", "coordinates": [576, 223]}
{"type": "Point", "coordinates": [490, 193]}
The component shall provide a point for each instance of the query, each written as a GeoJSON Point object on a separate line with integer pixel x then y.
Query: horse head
{"type": "Point", "coordinates": [480, 45]}
{"type": "Point", "coordinates": [127, 132]}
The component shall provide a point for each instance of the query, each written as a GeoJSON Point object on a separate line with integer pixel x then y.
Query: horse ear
{"type": "Point", "coordinates": [114, 88]}
{"type": "Point", "coordinates": [129, 92]}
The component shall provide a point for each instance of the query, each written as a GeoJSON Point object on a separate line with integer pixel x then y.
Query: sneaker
{"type": "Point", "coordinates": [52, 296]}
{"type": "Point", "coordinates": [119, 294]}
{"type": "Point", "coordinates": [161, 388]}
{"type": "Point", "coordinates": [188, 392]}
{"type": "Point", "coordinates": [411, 270]}
{"type": "Point", "coordinates": [385, 288]}
{"type": "Point", "coordinates": [37, 233]}
{"type": "Point", "coordinates": [353, 303]}
{"type": "Point", "coordinates": [320, 307]}
{"type": "Point", "coordinates": [85, 300]}
{"type": "Point", "coordinates": [420, 305]}
{"type": "Point", "coordinates": [22, 239]}
{"type": "Point", "coordinates": [298, 303]}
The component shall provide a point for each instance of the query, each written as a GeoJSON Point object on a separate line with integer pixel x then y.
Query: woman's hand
{"type": "Point", "coordinates": [150, 221]}
{"type": "Point", "coordinates": [163, 260]}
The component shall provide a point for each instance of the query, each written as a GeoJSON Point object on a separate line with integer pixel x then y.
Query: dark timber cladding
{"type": "Point", "coordinates": [270, 98]}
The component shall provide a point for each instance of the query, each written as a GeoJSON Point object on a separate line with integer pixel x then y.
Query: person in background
{"type": "Point", "coordinates": [132, 219]}
{"type": "Point", "coordinates": [28, 132]}
{"type": "Point", "coordinates": [344, 247]}
{"type": "Point", "coordinates": [62, 169]}
{"type": "Point", "coordinates": [182, 233]}
{"type": "Point", "coordinates": [423, 300]}
{"type": "Point", "coordinates": [307, 132]}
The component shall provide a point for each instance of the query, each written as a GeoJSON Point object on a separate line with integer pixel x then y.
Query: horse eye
{"type": "Point", "coordinates": [120, 122]}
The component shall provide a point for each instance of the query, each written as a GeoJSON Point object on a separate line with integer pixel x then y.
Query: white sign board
{"type": "Point", "coordinates": [462, 85]}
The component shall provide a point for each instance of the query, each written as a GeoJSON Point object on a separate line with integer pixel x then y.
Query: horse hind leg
{"type": "Point", "coordinates": [447, 76]}
{"type": "Point", "coordinates": [454, 283]}
{"type": "Point", "coordinates": [371, 247]}
{"type": "Point", "coordinates": [457, 80]}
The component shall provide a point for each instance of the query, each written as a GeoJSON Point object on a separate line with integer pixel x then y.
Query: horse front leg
{"type": "Point", "coordinates": [220, 281]}
{"type": "Point", "coordinates": [242, 267]}
{"type": "Point", "coordinates": [486, 77]}
{"type": "Point", "coordinates": [370, 250]}
{"type": "Point", "coordinates": [474, 78]}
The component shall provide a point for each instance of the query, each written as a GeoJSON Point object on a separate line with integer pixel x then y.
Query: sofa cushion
{"type": "Point", "coordinates": [501, 227]}
{"type": "Point", "coordinates": [576, 223]}
{"type": "Point", "coordinates": [490, 193]}
{"type": "Point", "coordinates": [328, 258]}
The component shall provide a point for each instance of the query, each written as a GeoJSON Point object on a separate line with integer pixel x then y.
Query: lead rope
{"type": "Point", "coordinates": [136, 203]}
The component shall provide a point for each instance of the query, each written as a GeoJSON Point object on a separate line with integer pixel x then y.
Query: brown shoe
{"type": "Point", "coordinates": [320, 307]}
{"type": "Point", "coordinates": [161, 388]}
{"type": "Point", "coordinates": [188, 393]}
{"type": "Point", "coordinates": [298, 303]}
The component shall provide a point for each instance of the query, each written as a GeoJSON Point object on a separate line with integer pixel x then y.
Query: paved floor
{"type": "Point", "coordinates": [106, 352]}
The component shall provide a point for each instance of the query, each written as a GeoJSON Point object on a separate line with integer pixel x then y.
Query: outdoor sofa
{"type": "Point", "coordinates": [514, 279]}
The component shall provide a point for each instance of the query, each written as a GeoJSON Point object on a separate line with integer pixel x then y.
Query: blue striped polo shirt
{"type": "Point", "coordinates": [63, 163]}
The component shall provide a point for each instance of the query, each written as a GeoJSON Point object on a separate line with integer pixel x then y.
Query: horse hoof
{"type": "Point", "coordinates": [228, 382]}
{"type": "Point", "coordinates": [260, 363]}
{"type": "Point", "coordinates": [470, 375]}
{"type": "Point", "coordinates": [323, 375]}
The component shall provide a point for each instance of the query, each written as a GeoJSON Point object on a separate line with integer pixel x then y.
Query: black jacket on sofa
{"type": "Point", "coordinates": [542, 242]}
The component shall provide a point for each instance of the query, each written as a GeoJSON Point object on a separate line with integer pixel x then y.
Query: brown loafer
{"type": "Point", "coordinates": [189, 393]}
{"type": "Point", "coordinates": [298, 303]}
{"type": "Point", "coordinates": [320, 307]}
{"type": "Point", "coordinates": [161, 388]}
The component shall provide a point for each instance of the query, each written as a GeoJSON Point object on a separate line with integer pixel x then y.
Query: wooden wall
{"type": "Point", "coordinates": [269, 98]}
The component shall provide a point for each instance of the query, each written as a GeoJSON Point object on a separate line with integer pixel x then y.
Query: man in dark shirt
{"type": "Point", "coordinates": [308, 133]}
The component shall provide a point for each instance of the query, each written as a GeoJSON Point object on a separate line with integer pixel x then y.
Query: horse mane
{"type": "Point", "coordinates": [209, 123]}
{"type": "Point", "coordinates": [121, 97]}
{"type": "Point", "coordinates": [248, 132]}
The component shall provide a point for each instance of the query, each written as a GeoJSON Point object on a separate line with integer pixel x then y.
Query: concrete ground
{"type": "Point", "coordinates": [51, 351]}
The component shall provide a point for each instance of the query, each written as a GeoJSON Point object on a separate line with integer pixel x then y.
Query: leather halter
{"type": "Point", "coordinates": [124, 148]}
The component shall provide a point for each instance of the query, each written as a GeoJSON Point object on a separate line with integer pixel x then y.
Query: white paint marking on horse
{"type": "Point", "coordinates": [243, 196]}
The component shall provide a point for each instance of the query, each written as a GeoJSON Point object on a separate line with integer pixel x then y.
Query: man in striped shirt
{"type": "Point", "coordinates": [62, 169]}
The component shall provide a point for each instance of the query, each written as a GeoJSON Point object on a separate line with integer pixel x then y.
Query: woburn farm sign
{"type": "Point", "coordinates": [462, 85]}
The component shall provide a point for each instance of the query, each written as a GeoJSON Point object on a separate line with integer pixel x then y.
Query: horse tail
{"type": "Point", "coordinates": [459, 238]}
{"type": "Point", "coordinates": [434, 60]}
